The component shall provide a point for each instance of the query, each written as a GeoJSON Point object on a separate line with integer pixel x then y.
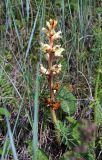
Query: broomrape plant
{"type": "Point", "coordinates": [52, 54]}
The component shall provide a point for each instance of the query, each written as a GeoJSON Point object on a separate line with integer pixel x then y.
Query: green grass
{"type": "Point", "coordinates": [22, 88]}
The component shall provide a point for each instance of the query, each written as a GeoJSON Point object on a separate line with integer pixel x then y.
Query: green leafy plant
{"type": "Point", "coordinates": [41, 155]}
{"type": "Point", "coordinates": [7, 91]}
{"type": "Point", "coordinates": [68, 100]}
{"type": "Point", "coordinates": [4, 111]}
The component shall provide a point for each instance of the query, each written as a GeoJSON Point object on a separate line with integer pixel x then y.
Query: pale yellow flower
{"type": "Point", "coordinates": [45, 47]}
{"type": "Point", "coordinates": [48, 25]}
{"type": "Point", "coordinates": [44, 30]}
{"type": "Point", "coordinates": [50, 31]}
{"type": "Point", "coordinates": [47, 32]}
{"type": "Point", "coordinates": [43, 70]}
{"type": "Point", "coordinates": [58, 50]}
{"type": "Point", "coordinates": [51, 24]}
{"type": "Point", "coordinates": [56, 35]}
{"type": "Point", "coordinates": [56, 69]}
{"type": "Point", "coordinates": [47, 56]}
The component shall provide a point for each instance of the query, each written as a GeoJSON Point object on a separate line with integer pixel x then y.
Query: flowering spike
{"type": "Point", "coordinates": [52, 53]}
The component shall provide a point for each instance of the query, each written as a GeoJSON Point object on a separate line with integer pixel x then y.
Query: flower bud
{"type": "Point", "coordinates": [45, 47]}
{"type": "Point", "coordinates": [56, 69]}
{"type": "Point", "coordinates": [57, 51]}
{"type": "Point", "coordinates": [56, 35]}
{"type": "Point", "coordinates": [43, 70]}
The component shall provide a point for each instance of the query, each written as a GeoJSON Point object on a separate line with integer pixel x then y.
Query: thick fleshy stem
{"type": "Point", "coordinates": [52, 96]}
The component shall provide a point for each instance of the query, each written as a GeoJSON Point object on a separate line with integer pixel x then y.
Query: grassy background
{"type": "Point", "coordinates": [21, 86]}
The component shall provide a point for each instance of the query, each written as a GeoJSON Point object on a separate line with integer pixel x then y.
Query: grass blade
{"type": "Point", "coordinates": [35, 124]}
{"type": "Point", "coordinates": [32, 33]}
{"type": "Point", "coordinates": [11, 139]}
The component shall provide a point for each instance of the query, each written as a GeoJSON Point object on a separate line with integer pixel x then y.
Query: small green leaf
{"type": "Point", "coordinates": [41, 155]}
{"type": "Point", "coordinates": [71, 120]}
{"type": "Point", "coordinates": [4, 111]}
{"type": "Point", "coordinates": [75, 133]}
{"type": "Point", "coordinates": [98, 113]}
{"type": "Point", "coordinates": [59, 125]}
{"type": "Point", "coordinates": [68, 101]}
{"type": "Point", "coordinates": [0, 151]}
